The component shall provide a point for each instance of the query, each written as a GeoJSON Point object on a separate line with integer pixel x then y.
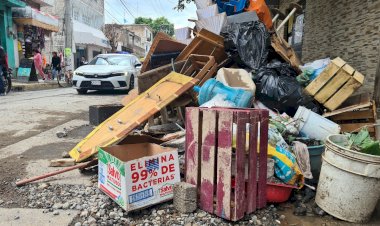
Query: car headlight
{"type": "Point", "coordinates": [78, 73]}
{"type": "Point", "coordinates": [126, 73]}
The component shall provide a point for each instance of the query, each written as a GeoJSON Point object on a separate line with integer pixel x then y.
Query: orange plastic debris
{"type": "Point", "coordinates": [262, 10]}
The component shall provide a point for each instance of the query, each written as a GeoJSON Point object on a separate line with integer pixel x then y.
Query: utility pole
{"type": "Point", "coordinates": [68, 20]}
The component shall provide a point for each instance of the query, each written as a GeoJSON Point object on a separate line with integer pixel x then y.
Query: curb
{"type": "Point", "coordinates": [19, 87]}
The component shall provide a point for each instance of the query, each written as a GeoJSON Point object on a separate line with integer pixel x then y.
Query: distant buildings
{"type": "Point", "coordinates": [145, 32]}
{"type": "Point", "coordinates": [87, 21]}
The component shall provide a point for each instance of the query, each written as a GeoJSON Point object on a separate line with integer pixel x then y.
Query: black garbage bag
{"type": "Point", "coordinates": [247, 43]}
{"type": "Point", "coordinates": [278, 88]}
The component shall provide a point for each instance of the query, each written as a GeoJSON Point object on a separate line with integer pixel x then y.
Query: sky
{"type": "Point", "coordinates": [116, 12]}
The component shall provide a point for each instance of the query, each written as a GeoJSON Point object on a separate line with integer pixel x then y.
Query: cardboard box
{"type": "Point", "coordinates": [138, 175]}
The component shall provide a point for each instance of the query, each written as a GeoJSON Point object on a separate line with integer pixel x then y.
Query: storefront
{"type": "Point", "coordinates": [33, 28]}
{"type": "Point", "coordinates": [89, 42]}
{"type": "Point", "coordinates": [7, 30]}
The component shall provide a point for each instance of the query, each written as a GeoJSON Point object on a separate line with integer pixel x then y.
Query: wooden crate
{"type": "Point", "coordinates": [226, 187]}
{"type": "Point", "coordinates": [357, 112]}
{"type": "Point", "coordinates": [335, 84]}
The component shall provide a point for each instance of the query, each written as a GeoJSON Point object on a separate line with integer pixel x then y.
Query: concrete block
{"type": "Point", "coordinates": [99, 113]}
{"type": "Point", "coordinates": [185, 197]}
{"type": "Point", "coordinates": [185, 191]}
{"type": "Point", "coordinates": [184, 206]}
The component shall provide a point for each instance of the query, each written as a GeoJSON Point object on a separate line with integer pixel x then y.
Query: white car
{"type": "Point", "coordinates": [107, 72]}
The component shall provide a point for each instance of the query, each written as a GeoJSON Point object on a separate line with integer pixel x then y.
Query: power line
{"type": "Point", "coordinates": [113, 9]}
{"type": "Point", "coordinates": [126, 8]}
{"type": "Point", "coordinates": [112, 16]}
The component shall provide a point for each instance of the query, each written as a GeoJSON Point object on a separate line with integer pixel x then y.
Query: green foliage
{"type": "Point", "coordinates": [364, 143]}
{"type": "Point", "coordinates": [160, 24]}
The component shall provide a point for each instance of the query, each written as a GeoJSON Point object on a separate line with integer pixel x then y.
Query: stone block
{"type": "Point", "coordinates": [185, 191]}
{"type": "Point", "coordinates": [185, 197]}
{"type": "Point", "coordinates": [99, 113]}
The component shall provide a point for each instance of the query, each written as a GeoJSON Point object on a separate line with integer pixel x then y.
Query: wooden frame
{"type": "Point", "coordinates": [119, 125]}
{"type": "Point", "coordinates": [205, 43]}
{"type": "Point", "coordinates": [225, 187]}
{"type": "Point", "coordinates": [162, 43]}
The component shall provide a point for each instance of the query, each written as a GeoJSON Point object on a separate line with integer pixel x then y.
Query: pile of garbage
{"type": "Point", "coordinates": [232, 59]}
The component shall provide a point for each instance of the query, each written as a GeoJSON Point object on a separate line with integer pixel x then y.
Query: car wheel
{"type": "Point", "coordinates": [82, 91]}
{"type": "Point", "coordinates": [132, 82]}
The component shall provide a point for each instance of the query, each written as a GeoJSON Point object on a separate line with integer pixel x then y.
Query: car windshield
{"type": "Point", "coordinates": [114, 60]}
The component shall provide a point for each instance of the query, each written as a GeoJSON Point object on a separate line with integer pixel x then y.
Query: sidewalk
{"type": "Point", "coordinates": [32, 86]}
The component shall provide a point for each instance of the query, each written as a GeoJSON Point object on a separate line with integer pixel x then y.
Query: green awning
{"type": "Point", "coordinates": [15, 3]}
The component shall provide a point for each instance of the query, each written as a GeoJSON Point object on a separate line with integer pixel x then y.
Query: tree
{"type": "Point", "coordinates": [113, 33]}
{"type": "Point", "coordinates": [160, 24]}
{"type": "Point", "coordinates": [181, 4]}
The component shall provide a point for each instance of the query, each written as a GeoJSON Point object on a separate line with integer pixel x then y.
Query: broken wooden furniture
{"type": "Point", "coordinates": [197, 66]}
{"type": "Point", "coordinates": [162, 51]}
{"type": "Point", "coordinates": [149, 78]}
{"type": "Point", "coordinates": [206, 43]}
{"type": "Point", "coordinates": [133, 115]}
{"type": "Point", "coordinates": [285, 51]}
{"type": "Point", "coordinates": [357, 112]}
{"type": "Point", "coordinates": [227, 180]}
{"type": "Point", "coordinates": [335, 84]}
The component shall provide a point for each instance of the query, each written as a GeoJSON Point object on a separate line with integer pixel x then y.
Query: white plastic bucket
{"type": "Point", "coordinates": [349, 183]}
{"type": "Point", "coordinates": [313, 125]}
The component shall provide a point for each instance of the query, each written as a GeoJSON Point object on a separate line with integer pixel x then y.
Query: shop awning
{"type": "Point", "coordinates": [84, 34]}
{"type": "Point", "coordinates": [34, 17]}
{"type": "Point", "coordinates": [15, 3]}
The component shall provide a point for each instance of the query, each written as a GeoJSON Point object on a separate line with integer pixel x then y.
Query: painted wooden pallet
{"type": "Point", "coordinates": [335, 84]}
{"type": "Point", "coordinates": [119, 125]}
{"type": "Point", "coordinates": [225, 187]}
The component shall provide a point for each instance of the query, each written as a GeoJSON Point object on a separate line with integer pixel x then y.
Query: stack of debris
{"type": "Point", "coordinates": [184, 119]}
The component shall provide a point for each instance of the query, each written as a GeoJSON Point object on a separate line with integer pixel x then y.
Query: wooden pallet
{"type": "Point", "coordinates": [335, 84]}
{"type": "Point", "coordinates": [358, 112]}
{"type": "Point", "coordinates": [226, 187]}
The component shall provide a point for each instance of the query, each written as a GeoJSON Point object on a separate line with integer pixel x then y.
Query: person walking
{"type": "Point", "coordinates": [3, 69]}
{"type": "Point", "coordinates": [38, 63]}
{"type": "Point", "coordinates": [56, 65]}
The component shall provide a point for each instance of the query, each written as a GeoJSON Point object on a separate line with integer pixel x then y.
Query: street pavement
{"type": "Point", "coordinates": [29, 122]}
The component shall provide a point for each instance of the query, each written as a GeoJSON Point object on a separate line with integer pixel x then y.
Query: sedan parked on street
{"type": "Point", "coordinates": [107, 72]}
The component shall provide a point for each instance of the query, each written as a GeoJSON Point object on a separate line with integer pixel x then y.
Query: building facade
{"type": "Point", "coordinates": [7, 28]}
{"type": "Point", "coordinates": [129, 41]}
{"type": "Point", "coordinates": [349, 29]}
{"type": "Point", "coordinates": [145, 32]}
{"type": "Point", "coordinates": [87, 22]}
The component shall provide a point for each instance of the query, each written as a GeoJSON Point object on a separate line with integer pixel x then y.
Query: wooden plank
{"type": "Point", "coordinates": [283, 49]}
{"type": "Point", "coordinates": [355, 127]}
{"type": "Point", "coordinates": [346, 109]}
{"type": "Point", "coordinates": [134, 114]}
{"type": "Point", "coordinates": [262, 182]}
{"type": "Point", "coordinates": [341, 77]}
{"type": "Point", "coordinates": [361, 114]}
{"type": "Point", "coordinates": [239, 199]}
{"type": "Point", "coordinates": [192, 145]}
{"type": "Point", "coordinates": [252, 166]}
{"type": "Point", "coordinates": [206, 199]}
{"type": "Point", "coordinates": [345, 92]}
{"type": "Point", "coordinates": [325, 76]}
{"type": "Point", "coordinates": [224, 160]}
